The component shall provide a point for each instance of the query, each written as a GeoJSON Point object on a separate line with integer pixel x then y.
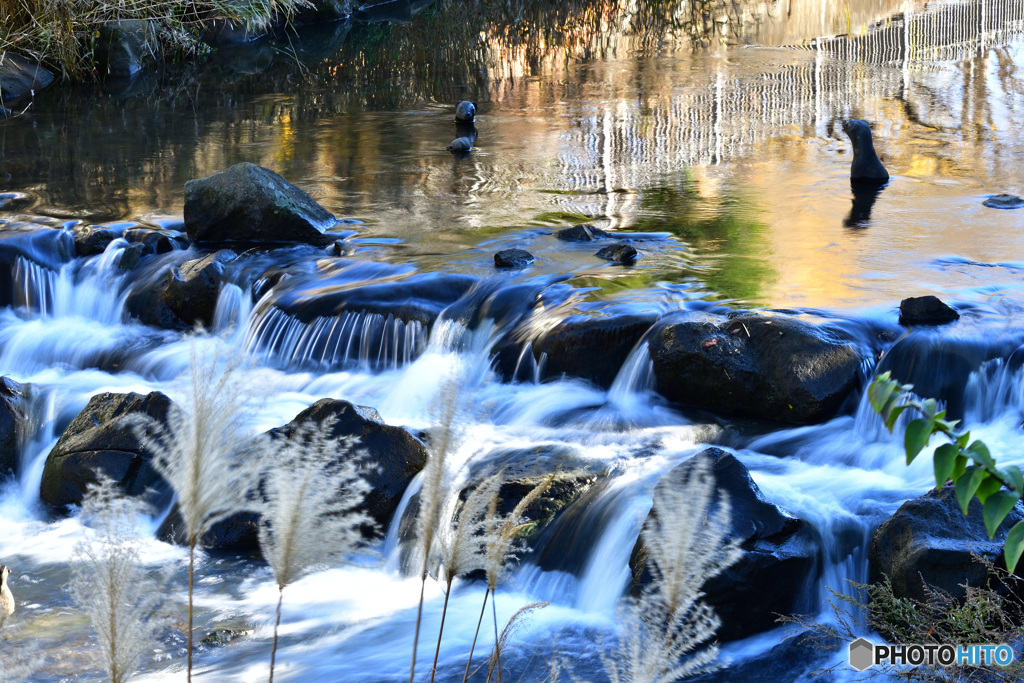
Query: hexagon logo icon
{"type": "Point", "coordinates": [862, 654]}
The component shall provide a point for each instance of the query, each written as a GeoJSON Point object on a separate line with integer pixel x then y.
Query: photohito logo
{"type": "Point", "coordinates": [865, 654]}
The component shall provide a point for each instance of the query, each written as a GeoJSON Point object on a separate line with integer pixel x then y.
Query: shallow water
{"type": "Point", "coordinates": [729, 159]}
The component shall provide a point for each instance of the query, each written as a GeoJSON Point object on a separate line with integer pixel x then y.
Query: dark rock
{"type": "Point", "coordinates": [779, 553]}
{"type": "Point", "coordinates": [1004, 201]}
{"type": "Point", "coordinates": [513, 258]}
{"type": "Point", "coordinates": [156, 241]}
{"type": "Point", "coordinates": [592, 347]}
{"type": "Point", "coordinates": [465, 111]}
{"type": "Point", "coordinates": [131, 256]}
{"type": "Point", "coordinates": [865, 167]}
{"type": "Point", "coordinates": [124, 47]}
{"type": "Point", "coordinates": [223, 32]}
{"type": "Point", "coordinates": [239, 532]}
{"type": "Point", "coordinates": [20, 76]}
{"type": "Point", "coordinates": [619, 253]}
{"type": "Point", "coordinates": [250, 204]}
{"type": "Point", "coordinates": [769, 367]}
{"type": "Point", "coordinates": [192, 288]}
{"type": "Point", "coordinates": [376, 11]}
{"type": "Point", "coordinates": [102, 437]}
{"type": "Point", "coordinates": [926, 310]}
{"type": "Point", "coordinates": [5, 113]}
{"type": "Point", "coordinates": [12, 414]}
{"type": "Point", "coordinates": [320, 11]}
{"type": "Point", "coordinates": [929, 539]}
{"type": "Point", "coordinates": [145, 301]}
{"type": "Point", "coordinates": [583, 232]}
{"type": "Point", "coordinates": [15, 201]}
{"type": "Point", "coordinates": [419, 297]}
{"type": "Point", "coordinates": [525, 468]}
{"type": "Point", "coordinates": [91, 240]}
{"type": "Point", "coordinates": [393, 454]}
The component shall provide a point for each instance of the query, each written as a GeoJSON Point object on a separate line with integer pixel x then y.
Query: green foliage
{"type": "Point", "coordinates": [969, 464]}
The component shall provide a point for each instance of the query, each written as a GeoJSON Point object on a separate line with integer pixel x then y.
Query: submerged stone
{"type": "Point", "coordinates": [252, 205]}
{"type": "Point", "coordinates": [192, 288]}
{"type": "Point", "coordinates": [619, 253]}
{"type": "Point", "coordinates": [926, 310]}
{"type": "Point", "coordinates": [123, 48]}
{"type": "Point", "coordinates": [583, 232]}
{"type": "Point", "coordinates": [1004, 201]}
{"type": "Point", "coordinates": [513, 258]}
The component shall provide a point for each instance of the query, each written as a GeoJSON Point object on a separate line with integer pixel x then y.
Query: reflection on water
{"type": "Point", "coordinates": [601, 110]}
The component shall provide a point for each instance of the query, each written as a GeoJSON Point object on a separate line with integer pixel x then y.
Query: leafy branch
{"type": "Point", "coordinates": [969, 464]}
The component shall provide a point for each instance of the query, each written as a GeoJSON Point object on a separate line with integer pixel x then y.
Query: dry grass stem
{"type": "Point", "coordinates": [109, 583]}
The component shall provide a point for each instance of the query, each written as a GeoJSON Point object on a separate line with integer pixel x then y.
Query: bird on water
{"type": "Point", "coordinates": [866, 167]}
{"type": "Point", "coordinates": [6, 598]}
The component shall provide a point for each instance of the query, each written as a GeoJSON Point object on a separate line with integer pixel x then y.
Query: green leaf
{"type": "Point", "coordinates": [989, 485]}
{"type": "Point", "coordinates": [962, 440]}
{"type": "Point", "coordinates": [880, 391]}
{"type": "Point", "coordinates": [894, 415]}
{"type": "Point", "coordinates": [916, 437]}
{"type": "Point", "coordinates": [978, 452]}
{"type": "Point", "coordinates": [968, 484]}
{"type": "Point", "coordinates": [945, 459]}
{"type": "Point", "coordinates": [1014, 545]}
{"type": "Point", "coordinates": [996, 508]}
{"type": "Point", "coordinates": [929, 407]}
{"type": "Point", "coordinates": [1012, 475]}
{"type": "Point", "coordinates": [959, 466]}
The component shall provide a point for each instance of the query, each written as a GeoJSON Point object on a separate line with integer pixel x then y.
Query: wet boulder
{"type": "Point", "coordinates": [591, 347]}
{"type": "Point", "coordinates": [12, 414]}
{"type": "Point", "coordinates": [239, 532]}
{"type": "Point", "coordinates": [584, 232]}
{"type": "Point", "coordinates": [1004, 201]}
{"type": "Point", "coordinates": [20, 76]}
{"type": "Point", "coordinates": [930, 541]}
{"type": "Point", "coordinates": [513, 258]}
{"type": "Point", "coordinates": [779, 559]}
{"type": "Point", "coordinates": [619, 253]}
{"type": "Point", "coordinates": [93, 239]}
{"type": "Point", "coordinates": [102, 438]}
{"type": "Point", "coordinates": [122, 48]}
{"type": "Point", "coordinates": [926, 310]}
{"type": "Point", "coordinates": [252, 205]}
{"type": "Point", "coordinates": [523, 469]}
{"type": "Point", "coordinates": [319, 11]}
{"type": "Point", "coordinates": [771, 367]}
{"type": "Point", "coordinates": [391, 454]}
{"type": "Point", "coordinates": [191, 290]}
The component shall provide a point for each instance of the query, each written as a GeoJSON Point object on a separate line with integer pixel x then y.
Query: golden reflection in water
{"type": "Point", "coordinates": [604, 109]}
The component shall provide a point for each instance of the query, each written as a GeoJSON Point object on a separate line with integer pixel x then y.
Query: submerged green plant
{"type": "Point", "coordinates": [109, 582]}
{"type": "Point", "coordinates": [997, 488]}
{"type": "Point", "coordinates": [312, 513]}
{"type": "Point", "coordinates": [667, 631]}
{"type": "Point", "coordinates": [204, 454]}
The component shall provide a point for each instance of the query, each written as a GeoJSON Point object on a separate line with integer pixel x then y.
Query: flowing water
{"type": "Point", "coordinates": [713, 136]}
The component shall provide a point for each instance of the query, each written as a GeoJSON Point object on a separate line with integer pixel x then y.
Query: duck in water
{"type": "Point", "coordinates": [6, 598]}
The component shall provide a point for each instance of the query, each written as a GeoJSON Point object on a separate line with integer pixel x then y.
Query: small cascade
{"type": "Point", "coordinates": [33, 286]}
{"type": "Point", "coordinates": [366, 339]}
{"type": "Point", "coordinates": [635, 378]}
{"type": "Point", "coordinates": [233, 309]}
{"type": "Point", "coordinates": [996, 388]}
